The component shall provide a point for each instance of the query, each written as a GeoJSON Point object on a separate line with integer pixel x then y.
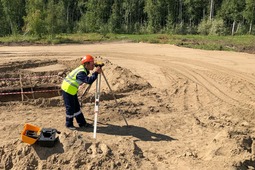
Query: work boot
{"type": "Point", "coordinates": [71, 127]}
{"type": "Point", "coordinates": [87, 125]}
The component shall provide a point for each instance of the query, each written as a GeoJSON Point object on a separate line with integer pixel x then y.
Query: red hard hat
{"type": "Point", "coordinates": [86, 59]}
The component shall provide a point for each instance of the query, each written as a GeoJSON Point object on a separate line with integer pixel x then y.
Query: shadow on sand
{"type": "Point", "coordinates": [131, 130]}
{"type": "Point", "coordinates": [44, 152]}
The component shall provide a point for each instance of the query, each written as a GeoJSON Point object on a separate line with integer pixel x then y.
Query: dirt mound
{"type": "Point", "coordinates": [121, 80]}
{"type": "Point", "coordinates": [74, 151]}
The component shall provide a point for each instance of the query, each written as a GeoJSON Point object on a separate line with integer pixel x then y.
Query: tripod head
{"type": "Point", "coordinates": [99, 64]}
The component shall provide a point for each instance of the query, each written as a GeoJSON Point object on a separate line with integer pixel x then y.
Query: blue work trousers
{"type": "Point", "coordinates": [73, 110]}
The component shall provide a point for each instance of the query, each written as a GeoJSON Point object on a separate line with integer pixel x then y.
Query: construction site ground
{"type": "Point", "coordinates": [186, 108]}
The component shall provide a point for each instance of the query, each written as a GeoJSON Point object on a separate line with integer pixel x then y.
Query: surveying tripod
{"type": "Point", "coordinates": [97, 98]}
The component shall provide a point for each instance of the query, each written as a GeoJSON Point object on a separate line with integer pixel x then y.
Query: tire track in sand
{"type": "Point", "coordinates": [218, 90]}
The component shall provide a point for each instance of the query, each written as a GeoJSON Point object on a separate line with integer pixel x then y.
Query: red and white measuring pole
{"type": "Point", "coordinates": [97, 96]}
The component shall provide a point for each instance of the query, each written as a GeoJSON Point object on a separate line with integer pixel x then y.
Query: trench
{"type": "Point", "coordinates": [29, 93]}
{"type": "Point", "coordinates": [32, 79]}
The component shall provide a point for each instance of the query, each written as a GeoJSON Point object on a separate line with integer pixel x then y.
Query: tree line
{"type": "Point", "coordinates": [50, 17]}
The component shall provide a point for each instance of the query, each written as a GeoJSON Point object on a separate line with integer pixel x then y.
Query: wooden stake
{"type": "Point", "coordinates": [21, 88]}
{"type": "Point", "coordinates": [32, 90]}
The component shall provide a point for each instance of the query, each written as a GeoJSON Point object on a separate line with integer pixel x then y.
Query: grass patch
{"type": "Point", "coordinates": [243, 43]}
{"type": "Point", "coordinates": [226, 43]}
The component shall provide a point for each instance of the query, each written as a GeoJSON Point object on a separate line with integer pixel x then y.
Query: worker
{"type": "Point", "coordinates": [70, 87]}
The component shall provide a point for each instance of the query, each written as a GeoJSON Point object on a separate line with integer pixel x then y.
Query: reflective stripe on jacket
{"type": "Point", "coordinates": [70, 84]}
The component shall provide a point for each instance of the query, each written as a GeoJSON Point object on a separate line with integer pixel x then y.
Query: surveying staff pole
{"type": "Point", "coordinates": [97, 96]}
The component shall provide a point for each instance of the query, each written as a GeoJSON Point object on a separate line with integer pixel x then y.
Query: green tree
{"type": "Point", "coordinates": [172, 16]}
{"type": "Point", "coordinates": [45, 17]}
{"type": "Point", "coordinates": [55, 18]}
{"type": "Point", "coordinates": [96, 16]}
{"type": "Point", "coordinates": [231, 12]}
{"type": "Point", "coordinates": [157, 12]}
{"type": "Point", "coordinates": [129, 15]}
{"type": "Point", "coordinates": [140, 16]}
{"type": "Point", "coordinates": [3, 22]}
{"type": "Point", "coordinates": [35, 23]}
{"type": "Point", "coordinates": [194, 13]}
{"type": "Point", "coordinates": [72, 12]}
{"type": "Point", "coordinates": [116, 18]}
{"type": "Point", "coordinates": [249, 13]}
{"type": "Point", "coordinates": [13, 11]}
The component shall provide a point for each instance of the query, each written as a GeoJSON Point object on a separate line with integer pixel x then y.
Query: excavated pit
{"type": "Point", "coordinates": [29, 93]}
{"type": "Point", "coordinates": [23, 81]}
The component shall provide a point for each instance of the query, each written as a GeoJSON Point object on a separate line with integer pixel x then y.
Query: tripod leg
{"type": "Point", "coordinates": [114, 98]}
{"type": "Point", "coordinates": [84, 93]}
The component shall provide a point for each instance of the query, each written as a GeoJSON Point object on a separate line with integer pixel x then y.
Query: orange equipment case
{"type": "Point", "coordinates": [30, 133]}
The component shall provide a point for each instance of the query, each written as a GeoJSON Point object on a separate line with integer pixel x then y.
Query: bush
{"type": "Point", "coordinates": [179, 29]}
{"type": "Point", "coordinates": [204, 27]}
{"type": "Point", "coordinates": [212, 27]}
{"type": "Point", "coordinates": [217, 27]}
{"type": "Point", "coordinates": [81, 25]}
{"type": "Point", "coordinates": [241, 29]}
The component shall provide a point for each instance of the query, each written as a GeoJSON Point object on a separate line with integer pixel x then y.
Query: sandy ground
{"type": "Point", "coordinates": [186, 109]}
